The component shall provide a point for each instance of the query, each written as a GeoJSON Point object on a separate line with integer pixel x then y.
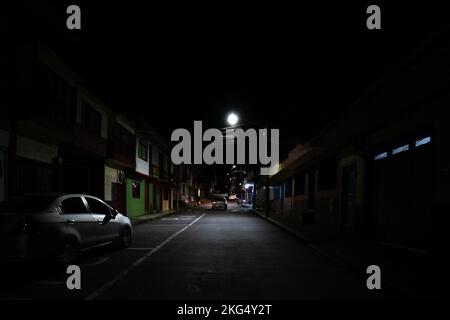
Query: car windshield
{"type": "Point", "coordinates": [27, 204]}
{"type": "Point", "coordinates": [219, 199]}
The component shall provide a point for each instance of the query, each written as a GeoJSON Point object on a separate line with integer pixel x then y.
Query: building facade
{"type": "Point", "coordinates": [380, 171]}
{"type": "Point", "coordinates": [59, 136]}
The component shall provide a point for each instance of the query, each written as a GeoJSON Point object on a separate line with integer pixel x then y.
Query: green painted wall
{"type": "Point", "coordinates": [135, 206]}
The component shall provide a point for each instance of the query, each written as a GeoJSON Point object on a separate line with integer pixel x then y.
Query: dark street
{"type": "Point", "coordinates": [230, 153]}
{"type": "Point", "coordinates": [204, 254]}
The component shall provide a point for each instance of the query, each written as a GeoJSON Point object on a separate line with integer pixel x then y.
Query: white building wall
{"type": "Point", "coordinates": [30, 149]}
{"type": "Point", "coordinates": [165, 205]}
{"type": "Point", "coordinates": [142, 166]}
{"type": "Point", "coordinates": [111, 176]}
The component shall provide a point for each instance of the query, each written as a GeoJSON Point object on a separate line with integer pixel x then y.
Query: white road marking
{"type": "Point", "coordinates": [138, 262]}
{"type": "Point", "coordinates": [182, 218]}
{"type": "Point", "coordinates": [96, 262]}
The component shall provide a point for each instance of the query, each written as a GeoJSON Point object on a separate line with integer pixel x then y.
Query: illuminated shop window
{"type": "Point", "coordinates": [400, 149]}
{"type": "Point", "coordinates": [423, 141]}
{"type": "Point", "coordinates": [381, 156]}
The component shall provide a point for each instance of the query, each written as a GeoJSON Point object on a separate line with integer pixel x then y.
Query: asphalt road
{"type": "Point", "coordinates": [201, 254]}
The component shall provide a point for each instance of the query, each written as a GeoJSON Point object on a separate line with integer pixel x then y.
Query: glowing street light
{"type": "Point", "coordinates": [232, 119]}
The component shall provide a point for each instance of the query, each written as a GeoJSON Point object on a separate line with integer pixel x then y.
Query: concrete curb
{"type": "Point", "coordinates": [150, 217]}
{"type": "Point", "coordinates": [138, 221]}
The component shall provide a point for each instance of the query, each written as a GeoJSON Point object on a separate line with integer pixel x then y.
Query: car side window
{"type": "Point", "coordinates": [97, 207]}
{"type": "Point", "coordinates": [74, 205]}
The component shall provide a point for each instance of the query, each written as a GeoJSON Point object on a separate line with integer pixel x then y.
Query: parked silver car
{"type": "Point", "coordinates": [42, 226]}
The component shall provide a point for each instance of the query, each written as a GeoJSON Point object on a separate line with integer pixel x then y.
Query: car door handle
{"type": "Point", "coordinates": [70, 221]}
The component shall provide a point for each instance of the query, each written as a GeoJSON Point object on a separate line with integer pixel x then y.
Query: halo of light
{"type": "Point", "coordinates": [232, 119]}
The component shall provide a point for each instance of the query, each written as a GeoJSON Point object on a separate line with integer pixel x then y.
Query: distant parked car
{"type": "Point", "coordinates": [232, 197]}
{"type": "Point", "coordinates": [219, 203]}
{"type": "Point", "coordinates": [42, 226]}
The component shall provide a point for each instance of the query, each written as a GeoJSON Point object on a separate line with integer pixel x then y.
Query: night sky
{"type": "Point", "coordinates": [293, 67]}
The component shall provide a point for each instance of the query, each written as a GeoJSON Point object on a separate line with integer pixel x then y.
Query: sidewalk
{"type": "Point", "coordinates": [151, 216]}
{"type": "Point", "coordinates": [407, 272]}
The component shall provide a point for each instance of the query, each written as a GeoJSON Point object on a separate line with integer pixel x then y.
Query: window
{"type": "Point", "coordinates": [73, 205]}
{"type": "Point", "coordinates": [115, 192]}
{"type": "Point", "coordinates": [381, 156]}
{"type": "Point", "coordinates": [142, 151]}
{"type": "Point", "coordinates": [125, 142]}
{"type": "Point", "coordinates": [299, 182]}
{"type": "Point", "coordinates": [97, 207]}
{"type": "Point", "coordinates": [32, 177]}
{"type": "Point", "coordinates": [400, 149]}
{"type": "Point", "coordinates": [91, 119]}
{"type": "Point", "coordinates": [124, 136]}
{"type": "Point", "coordinates": [423, 141]}
{"type": "Point", "coordinates": [277, 192]}
{"type": "Point", "coordinates": [136, 190]}
{"type": "Point", "coordinates": [288, 188]}
{"type": "Point", "coordinates": [58, 94]}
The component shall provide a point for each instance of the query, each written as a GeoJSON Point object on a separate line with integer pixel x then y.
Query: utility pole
{"type": "Point", "coordinates": [177, 184]}
{"type": "Point", "coordinates": [266, 202]}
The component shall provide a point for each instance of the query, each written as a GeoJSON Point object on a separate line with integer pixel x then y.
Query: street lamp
{"type": "Point", "coordinates": [232, 119]}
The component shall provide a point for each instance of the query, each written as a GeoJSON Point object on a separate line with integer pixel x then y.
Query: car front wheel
{"type": "Point", "coordinates": [125, 237]}
{"type": "Point", "coordinates": [69, 254]}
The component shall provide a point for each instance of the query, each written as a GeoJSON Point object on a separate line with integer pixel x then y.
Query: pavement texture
{"type": "Point", "coordinates": [413, 274]}
{"type": "Point", "coordinates": [200, 254]}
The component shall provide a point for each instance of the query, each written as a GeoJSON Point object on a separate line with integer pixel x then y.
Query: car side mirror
{"type": "Point", "coordinates": [115, 213]}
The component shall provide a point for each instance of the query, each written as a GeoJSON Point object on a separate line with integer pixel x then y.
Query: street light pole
{"type": "Point", "coordinates": [267, 209]}
{"type": "Point", "coordinates": [232, 121]}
